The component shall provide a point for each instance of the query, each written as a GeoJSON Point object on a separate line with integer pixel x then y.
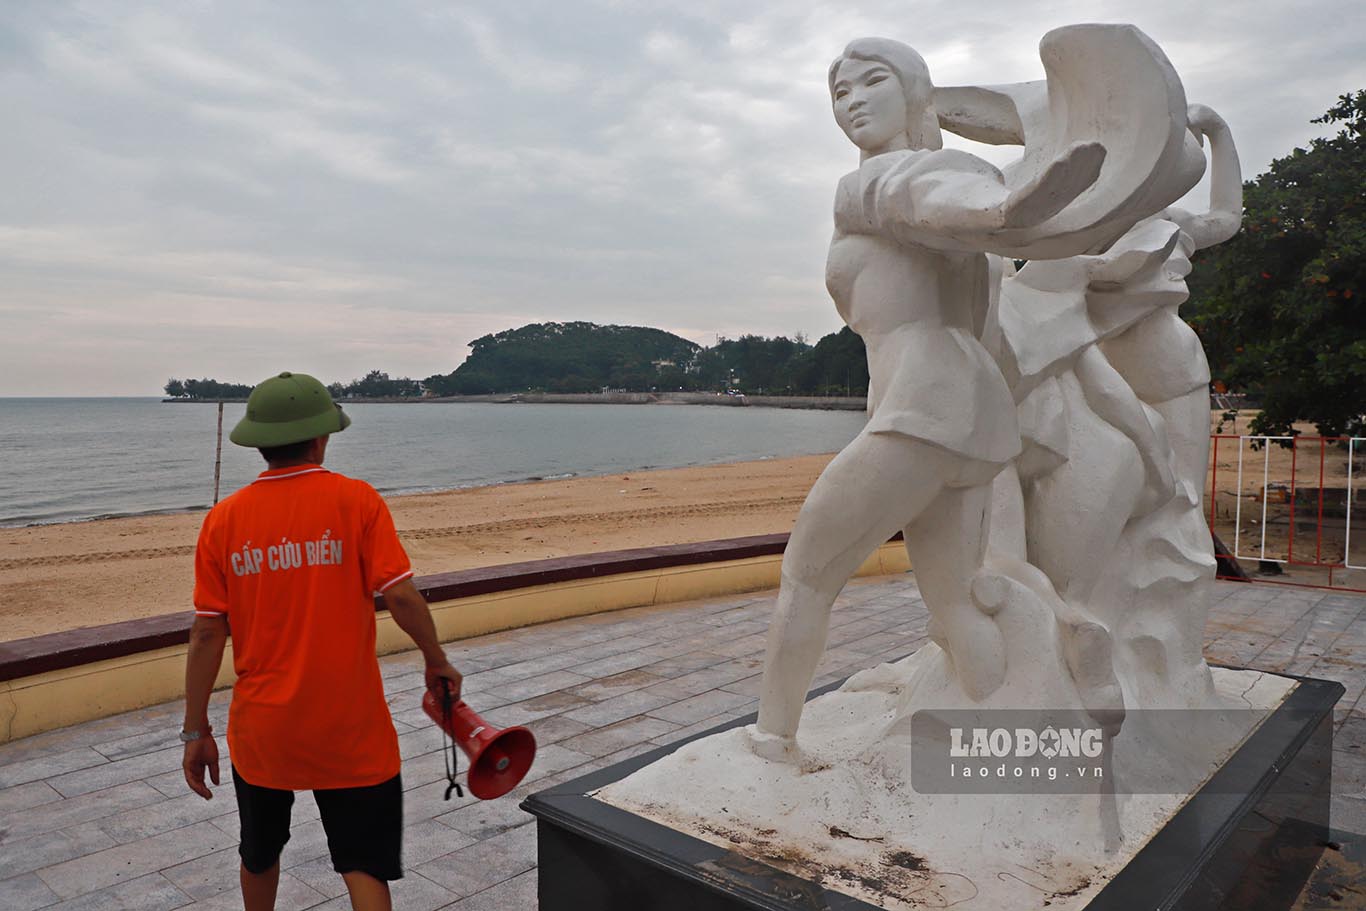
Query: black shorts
{"type": "Point", "coordinates": [364, 826]}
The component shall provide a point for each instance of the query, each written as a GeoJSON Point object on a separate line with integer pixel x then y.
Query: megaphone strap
{"type": "Point", "coordinates": [453, 763]}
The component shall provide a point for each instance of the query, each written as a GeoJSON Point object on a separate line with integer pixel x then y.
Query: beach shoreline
{"type": "Point", "coordinates": [66, 575]}
{"type": "Point", "coordinates": [62, 576]}
{"type": "Point", "coordinates": [735, 400]}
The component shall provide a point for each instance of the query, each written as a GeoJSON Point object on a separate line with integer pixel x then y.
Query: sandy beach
{"type": "Point", "coordinates": [58, 577]}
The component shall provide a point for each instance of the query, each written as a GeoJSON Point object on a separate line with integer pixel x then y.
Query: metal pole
{"type": "Point", "coordinates": [218, 455]}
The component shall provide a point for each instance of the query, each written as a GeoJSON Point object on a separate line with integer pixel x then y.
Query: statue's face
{"type": "Point", "coordinates": [870, 105]}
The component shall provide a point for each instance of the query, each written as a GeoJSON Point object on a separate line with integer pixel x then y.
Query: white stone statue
{"type": "Point", "coordinates": [907, 272]}
{"type": "Point", "coordinates": [1039, 436]}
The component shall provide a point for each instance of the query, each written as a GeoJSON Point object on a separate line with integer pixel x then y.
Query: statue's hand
{"type": "Point", "coordinates": [1204, 120]}
{"type": "Point", "coordinates": [1054, 187]}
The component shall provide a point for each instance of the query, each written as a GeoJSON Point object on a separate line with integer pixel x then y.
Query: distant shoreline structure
{"type": "Point", "coordinates": [815, 402]}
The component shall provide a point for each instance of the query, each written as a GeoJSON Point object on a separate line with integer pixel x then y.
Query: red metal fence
{"type": "Point", "coordinates": [1289, 507]}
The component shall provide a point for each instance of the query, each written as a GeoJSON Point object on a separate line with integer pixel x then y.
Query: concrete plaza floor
{"type": "Point", "coordinates": [98, 817]}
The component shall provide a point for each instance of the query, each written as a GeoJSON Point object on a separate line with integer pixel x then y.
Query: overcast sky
{"type": "Point", "coordinates": [229, 189]}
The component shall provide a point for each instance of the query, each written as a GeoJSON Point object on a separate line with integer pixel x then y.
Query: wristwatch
{"type": "Point", "coordinates": [192, 736]}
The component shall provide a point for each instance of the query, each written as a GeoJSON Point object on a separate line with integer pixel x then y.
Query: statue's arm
{"type": "Point", "coordinates": [1113, 400]}
{"type": "Point", "coordinates": [1225, 213]}
{"type": "Point", "coordinates": [953, 200]}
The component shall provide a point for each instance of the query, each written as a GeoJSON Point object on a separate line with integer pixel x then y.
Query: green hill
{"type": "Point", "coordinates": [586, 357]}
{"type": "Point", "coordinates": [568, 357]}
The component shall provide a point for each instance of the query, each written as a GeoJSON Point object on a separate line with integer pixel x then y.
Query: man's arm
{"type": "Point", "coordinates": [409, 610]}
{"type": "Point", "coordinates": [208, 635]}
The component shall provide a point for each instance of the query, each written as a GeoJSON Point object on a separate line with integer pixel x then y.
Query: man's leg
{"type": "Point", "coordinates": [367, 893]}
{"type": "Point", "coordinates": [258, 889]}
{"type": "Point", "coordinates": [364, 835]}
{"type": "Point", "coordinates": [265, 829]}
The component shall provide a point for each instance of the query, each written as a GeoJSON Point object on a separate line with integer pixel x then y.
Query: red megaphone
{"type": "Point", "coordinates": [499, 758]}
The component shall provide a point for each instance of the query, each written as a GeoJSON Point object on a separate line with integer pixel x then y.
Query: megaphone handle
{"type": "Point", "coordinates": [453, 764]}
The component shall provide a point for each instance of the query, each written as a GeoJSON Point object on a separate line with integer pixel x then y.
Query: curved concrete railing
{"type": "Point", "coordinates": [65, 678]}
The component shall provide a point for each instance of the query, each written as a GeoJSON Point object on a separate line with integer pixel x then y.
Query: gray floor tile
{"type": "Point", "coordinates": [430, 839]}
{"type": "Point", "coordinates": [555, 728]}
{"type": "Point", "coordinates": [613, 737]}
{"type": "Point", "coordinates": [487, 818]}
{"type": "Point", "coordinates": [293, 895]}
{"type": "Point", "coordinates": [698, 707]}
{"type": "Point", "coordinates": [484, 864]}
{"type": "Point", "coordinates": [24, 855]}
{"type": "Point", "coordinates": [595, 690]}
{"type": "Point", "coordinates": [109, 774]}
{"type": "Point", "coordinates": [151, 892]}
{"type": "Point", "coordinates": [25, 893]}
{"type": "Point", "coordinates": [411, 893]}
{"type": "Point", "coordinates": [124, 863]}
{"type": "Point", "coordinates": [518, 690]}
{"type": "Point", "coordinates": [516, 894]}
{"type": "Point", "coordinates": [130, 825]}
{"type": "Point", "coordinates": [49, 767]}
{"type": "Point", "coordinates": [60, 814]}
{"type": "Point", "coordinates": [616, 684]}
{"type": "Point", "coordinates": [207, 876]}
{"type": "Point", "coordinates": [138, 744]}
{"type": "Point", "coordinates": [619, 708]}
{"type": "Point", "coordinates": [24, 796]}
{"type": "Point", "coordinates": [319, 876]}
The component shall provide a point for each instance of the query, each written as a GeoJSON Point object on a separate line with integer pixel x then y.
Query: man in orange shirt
{"type": "Point", "coordinates": [291, 563]}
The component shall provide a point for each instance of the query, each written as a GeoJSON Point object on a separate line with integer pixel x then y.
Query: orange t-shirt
{"type": "Point", "coordinates": [294, 560]}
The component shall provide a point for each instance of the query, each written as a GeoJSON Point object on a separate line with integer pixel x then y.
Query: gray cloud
{"type": "Point", "coordinates": [225, 189]}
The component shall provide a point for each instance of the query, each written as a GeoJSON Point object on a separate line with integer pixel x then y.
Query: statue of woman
{"type": "Point", "coordinates": [1161, 357]}
{"type": "Point", "coordinates": [908, 273]}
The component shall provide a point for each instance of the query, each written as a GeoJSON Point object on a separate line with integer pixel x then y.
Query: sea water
{"type": "Point", "coordinates": [81, 458]}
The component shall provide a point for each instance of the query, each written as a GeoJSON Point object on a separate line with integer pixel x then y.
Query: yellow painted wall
{"type": "Point", "coordinates": [42, 702]}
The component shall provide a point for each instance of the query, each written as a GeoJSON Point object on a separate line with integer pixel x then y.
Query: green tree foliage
{"type": "Point", "coordinates": [1279, 307]}
{"type": "Point", "coordinates": [838, 365]}
{"type": "Point", "coordinates": [566, 357]}
{"type": "Point", "coordinates": [377, 385]}
{"type": "Point", "coordinates": [750, 363]}
{"type": "Point", "coordinates": [206, 389]}
{"type": "Point", "coordinates": [585, 357]}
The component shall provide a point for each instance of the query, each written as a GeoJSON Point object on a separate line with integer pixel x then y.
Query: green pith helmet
{"type": "Point", "coordinates": [288, 408]}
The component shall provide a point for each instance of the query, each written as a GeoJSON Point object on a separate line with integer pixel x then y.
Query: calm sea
{"type": "Point", "coordinates": [64, 460]}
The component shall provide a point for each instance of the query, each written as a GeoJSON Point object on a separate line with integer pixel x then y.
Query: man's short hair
{"type": "Point", "coordinates": [290, 452]}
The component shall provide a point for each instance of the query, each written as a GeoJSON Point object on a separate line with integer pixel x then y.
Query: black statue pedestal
{"type": "Point", "coordinates": [1248, 839]}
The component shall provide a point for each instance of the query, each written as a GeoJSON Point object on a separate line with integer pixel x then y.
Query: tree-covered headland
{"type": "Point", "coordinates": [586, 357]}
